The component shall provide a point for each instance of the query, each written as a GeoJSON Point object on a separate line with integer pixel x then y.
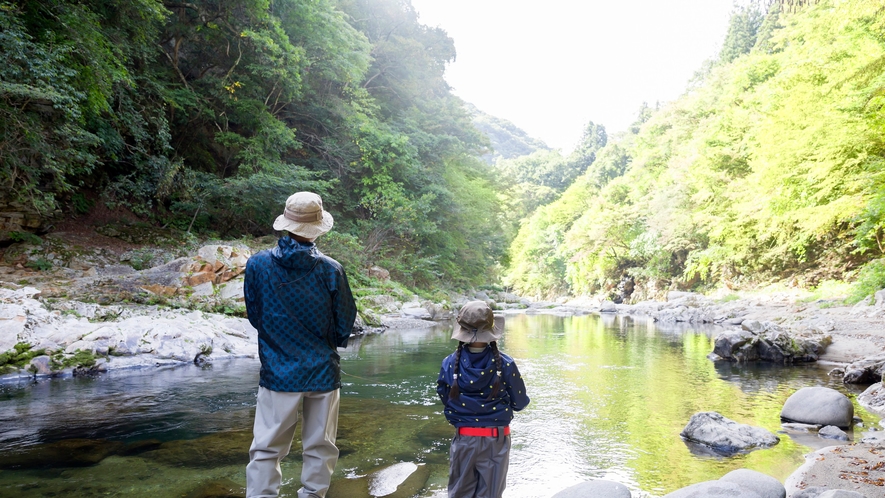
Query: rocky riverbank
{"type": "Point", "coordinates": [70, 306]}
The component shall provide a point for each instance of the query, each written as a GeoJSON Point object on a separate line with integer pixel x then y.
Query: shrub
{"type": "Point", "coordinates": [870, 278]}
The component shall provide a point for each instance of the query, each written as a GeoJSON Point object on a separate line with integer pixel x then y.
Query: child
{"type": "Point", "coordinates": [480, 388]}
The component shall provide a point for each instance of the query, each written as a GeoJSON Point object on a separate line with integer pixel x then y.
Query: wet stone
{"type": "Point", "coordinates": [66, 453]}
{"type": "Point", "coordinates": [221, 488]}
{"type": "Point", "coordinates": [224, 448]}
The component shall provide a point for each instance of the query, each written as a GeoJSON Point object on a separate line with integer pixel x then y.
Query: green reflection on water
{"type": "Point", "coordinates": [610, 396]}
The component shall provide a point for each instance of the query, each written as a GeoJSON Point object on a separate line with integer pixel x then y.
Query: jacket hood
{"type": "Point", "coordinates": [295, 255]}
{"type": "Point", "coordinates": [477, 369]}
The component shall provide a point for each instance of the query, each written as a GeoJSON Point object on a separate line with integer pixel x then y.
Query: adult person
{"type": "Point", "coordinates": [301, 304]}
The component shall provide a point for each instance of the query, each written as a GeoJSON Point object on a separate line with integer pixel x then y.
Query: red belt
{"type": "Point", "coordinates": [482, 431]}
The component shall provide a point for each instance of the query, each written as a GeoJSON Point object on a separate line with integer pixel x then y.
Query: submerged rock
{"type": "Point", "coordinates": [65, 453]}
{"type": "Point", "coordinates": [723, 435]}
{"type": "Point", "coordinates": [219, 488]}
{"type": "Point", "coordinates": [401, 480]}
{"type": "Point", "coordinates": [833, 432]}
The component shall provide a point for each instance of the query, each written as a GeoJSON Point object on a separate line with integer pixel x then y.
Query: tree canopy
{"type": "Point", "coordinates": [769, 167]}
{"type": "Point", "coordinates": [206, 115]}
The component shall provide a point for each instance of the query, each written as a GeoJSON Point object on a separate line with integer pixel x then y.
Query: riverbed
{"type": "Point", "coordinates": [610, 395]}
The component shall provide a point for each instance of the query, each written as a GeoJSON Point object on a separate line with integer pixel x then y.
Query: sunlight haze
{"type": "Point", "coordinates": [550, 67]}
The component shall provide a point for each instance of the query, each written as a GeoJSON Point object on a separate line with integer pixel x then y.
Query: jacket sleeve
{"type": "Point", "coordinates": [343, 309]}
{"type": "Point", "coordinates": [519, 398]}
{"type": "Point", "coordinates": [250, 294]}
{"type": "Point", "coordinates": [442, 386]}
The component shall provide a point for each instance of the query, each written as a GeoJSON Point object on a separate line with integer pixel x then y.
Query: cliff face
{"type": "Point", "coordinates": [15, 217]}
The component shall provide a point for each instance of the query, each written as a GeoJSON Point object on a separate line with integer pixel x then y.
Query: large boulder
{"type": "Point", "coordinates": [713, 489]}
{"type": "Point", "coordinates": [599, 488]}
{"type": "Point", "coordinates": [762, 484]}
{"type": "Point", "coordinates": [713, 430]}
{"type": "Point", "coordinates": [765, 341]}
{"type": "Point", "coordinates": [738, 345]}
{"type": "Point", "coordinates": [741, 483]}
{"type": "Point", "coordinates": [820, 406]}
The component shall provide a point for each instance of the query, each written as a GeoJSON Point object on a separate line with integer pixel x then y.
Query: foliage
{"type": "Point", "coordinates": [19, 356]}
{"type": "Point", "coordinates": [870, 280]}
{"type": "Point", "coordinates": [205, 116]}
{"type": "Point", "coordinates": [25, 237]}
{"type": "Point", "coordinates": [508, 141]}
{"type": "Point", "coordinates": [771, 166]}
{"type": "Point", "coordinates": [80, 359]}
{"type": "Point", "coordinates": [39, 264]}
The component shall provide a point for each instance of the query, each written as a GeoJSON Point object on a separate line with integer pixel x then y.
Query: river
{"type": "Point", "coordinates": [610, 396]}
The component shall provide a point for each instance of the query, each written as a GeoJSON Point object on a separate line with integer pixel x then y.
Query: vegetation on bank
{"type": "Point", "coordinates": [769, 167]}
{"type": "Point", "coordinates": [205, 116]}
{"type": "Point", "coordinates": [202, 117]}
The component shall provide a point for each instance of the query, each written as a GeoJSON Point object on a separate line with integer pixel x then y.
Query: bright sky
{"type": "Point", "coordinates": [551, 66]}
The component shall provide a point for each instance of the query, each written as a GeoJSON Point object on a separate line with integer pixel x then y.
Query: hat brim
{"type": "Point", "coordinates": [306, 230]}
{"type": "Point", "coordinates": [488, 335]}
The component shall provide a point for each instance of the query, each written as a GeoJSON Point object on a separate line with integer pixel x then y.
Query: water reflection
{"type": "Point", "coordinates": [610, 396]}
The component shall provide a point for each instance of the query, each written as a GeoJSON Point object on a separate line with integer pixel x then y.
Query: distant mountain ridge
{"type": "Point", "coordinates": [508, 140]}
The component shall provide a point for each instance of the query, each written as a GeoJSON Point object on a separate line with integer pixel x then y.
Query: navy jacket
{"type": "Point", "coordinates": [301, 304]}
{"type": "Point", "coordinates": [476, 376]}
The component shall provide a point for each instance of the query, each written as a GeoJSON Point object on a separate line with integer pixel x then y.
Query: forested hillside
{"type": "Point", "coordinates": [769, 168]}
{"type": "Point", "coordinates": [507, 141]}
{"type": "Point", "coordinates": [206, 115]}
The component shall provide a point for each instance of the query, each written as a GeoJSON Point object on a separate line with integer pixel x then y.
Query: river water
{"type": "Point", "coordinates": [610, 396]}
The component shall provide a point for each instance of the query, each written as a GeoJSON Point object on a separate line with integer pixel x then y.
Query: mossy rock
{"type": "Point", "coordinates": [223, 448]}
{"type": "Point", "coordinates": [65, 453]}
{"type": "Point", "coordinates": [219, 488]}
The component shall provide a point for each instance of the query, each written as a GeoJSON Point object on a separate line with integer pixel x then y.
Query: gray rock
{"type": "Point", "coordinates": [873, 398]}
{"type": "Point", "coordinates": [204, 289]}
{"type": "Point", "coordinates": [739, 345]}
{"type": "Point", "coordinates": [417, 312]}
{"type": "Point", "coordinates": [40, 365]}
{"type": "Point", "coordinates": [608, 307]}
{"type": "Point", "coordinates": [818, 405]}
{"type": "Point", "coordinates": [12, 323]}
{"type": "Point", "coordinates": [839, 467]}
{"type": "Point", "coordinates": [840, 493]}
{"type": "Point", "coordinates": [764, 485]}
{"type": "Point", "coordinates": [797, 427]}
{"type": "Point", "coordinates": [833, 432]}
{"type": "Point", "coordinates": [599, 488]}
{"type": "Point", "coordinates": [713, 489]}
{"type": "Point", "coordinates": [724, 435]}
{"type": "Point", "coordinates": [880, 298]}
{"type": "Point", "coordinates": [233, 290]}
{"type": "Point", "coordinates": [753, 326]}
{"type": "Point", "coordinates": [679, 295]}
{"type": "Point", "coordinates": [866, 371]}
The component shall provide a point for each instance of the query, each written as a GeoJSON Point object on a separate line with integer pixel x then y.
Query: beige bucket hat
{"type": "Point", "coordinates": [478, 323]}
{"type": "Point", "coordinates": [304, 215]}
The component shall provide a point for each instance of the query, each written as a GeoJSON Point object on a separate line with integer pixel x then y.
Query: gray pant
{"type": "Point", "coordinates": [478, 466]}
{"type": "Point", "coordinates": [276, 415]}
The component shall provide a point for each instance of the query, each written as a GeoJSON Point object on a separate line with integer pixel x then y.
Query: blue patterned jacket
{"type": "Point", "coordinates": [300, 302]}
{"type": "Point", "coordinates": [473, 408]}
